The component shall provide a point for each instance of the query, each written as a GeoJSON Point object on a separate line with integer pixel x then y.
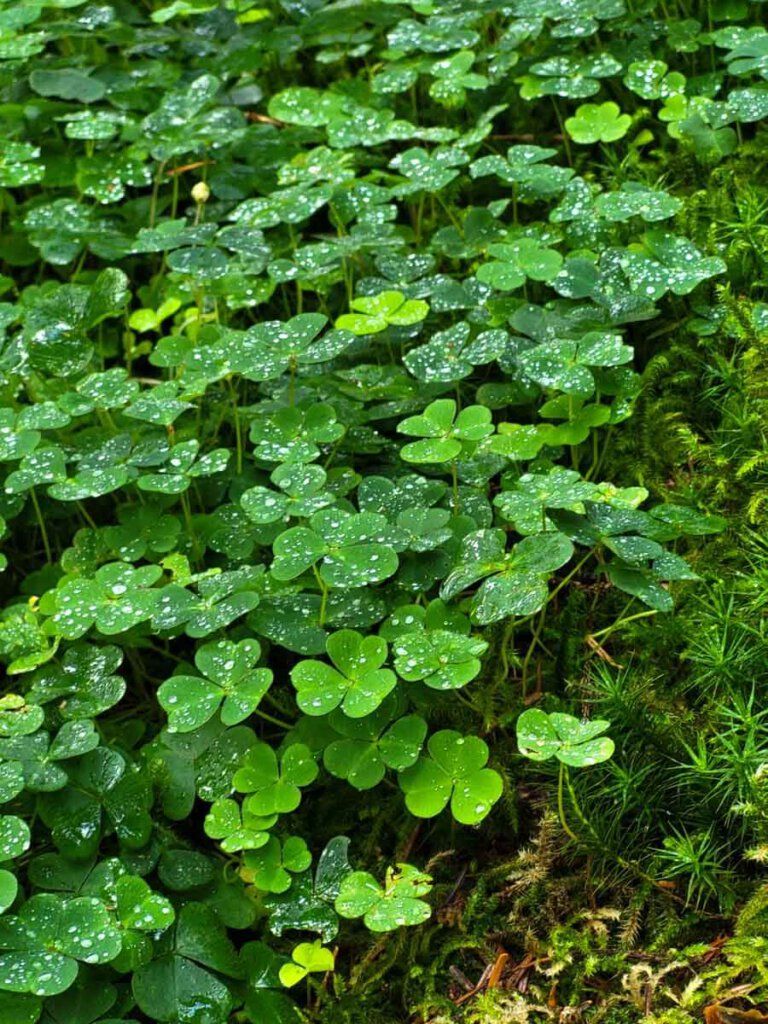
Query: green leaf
{"type": "Point", "coordinates": [308, 958]}
{"type": "Point", "coordinates": [67, 84]}
{"type": "Point", "coordinates": [576, 743]}
{"type": "Point", "coordinates": [388, 907]}
{"type": "Point", "coordinates": [358, 683]}
{"type": "Point", "coordinates": [595, 122]}
{"type": "Point", "coordinates": [373, 314]}
{"type": "Point", "coordinates": [455, 771]}
{"type": "Point", "coordinates": [230, 682]}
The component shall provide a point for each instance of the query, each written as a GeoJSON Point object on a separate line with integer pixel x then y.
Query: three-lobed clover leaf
{"type": "Point", "coordinates": [139, 908]}
{"type": "Point", "coordinates": [372, 744]}
{"type": "Point", "coordinates": [386, 907]}
{"type": "Point", "coordinates": [41, 946]}
{"type": "Point", "coordinates": [525, 504]}
{"type": "Point", "coordinates": [669, 263]}
{"type": "Point", "coordinates": [634, 200]}
{"type": "Point", "coordinates": [269, 868]}
{"type": "Point", "coordinates": [272, 348]}
{"type": "Point", "coordinates": [308, 903]}
{"type": "Point", "coordinates": [221, 599]}
{"type": "Point", "coordinates": [295, 435]}
{"type": "Point", "coordinates": [116, 599]}
{"type": "Point", "coordinates": [274, 787]}
{"type": "Point", "coordinates": [83, 684]}
{"type": "Point", "coordinates": [443, 659]}
{"type": "Point", "coordinates": [454, 772]}
{"type": "Point", "coordinates": [307, 958]}
{"type": "Point", "coordinates": [515, 261]}
{"type": "Point", "coordinates": [302, 493]}
{"type": "Point", "coordinates": [598, 122]}
{"type": "Point", "coordinates": [358, 683]}
{"type": "Point", "coordinates": [229, 681]}
{"type": "Point", "coordinates": [565, 364]}
{"type": "Point", "coordinates": [354, 549]}
{"type": "Point", "coordinates": [445, 432]}
{"type": "Point", "coordinates": [236, 827]}
{"type": "Point", "coordinates": [576, 743]}
{"type": "Point", "coordinates": [375, 313]}
{"type": "Point", "coordinates": [514, 582]}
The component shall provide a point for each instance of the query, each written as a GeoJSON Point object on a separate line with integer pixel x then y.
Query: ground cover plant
{"type": "Point", "coordinates": [383, 421]}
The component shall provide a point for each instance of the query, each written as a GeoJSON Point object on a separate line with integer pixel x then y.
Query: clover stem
{"type": "Point", "coordinates": [41, 524]}
{"type": "Point", "coordinates": [622, 622]}
{"type": "Point", "coordinates": [155, 191]}
{"type": "Point", "coordinates": [419, 216]}
{"type": "Point", "coordinates": [86, 515]}
{"type": "Point", "coordinates": [561, 804]}
{"type": "Point", "coordinates": [238, 427]}
{"type": "Point", "coordinates": [188, 521]}
{"type": "Point", "coordinates": [455, 479]}
{"type": "Point", "coordinates": [271, 718]}
{"type": "Point", "coordinates": [324, 597]}
{"type": "Point", "coordinates": [531, 648]}
{"type": "Point", "coordinates": [566, 142]}
{"type": "Point", "coordinates": [594, 469]}
{"type": "Point", "coordinates": [451, 215]}
{"type": "Point", "coordinates": [175, 196]}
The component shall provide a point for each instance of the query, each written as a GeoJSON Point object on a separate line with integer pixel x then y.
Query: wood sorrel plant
{"type": "Point", "coordinates": [307, 385]}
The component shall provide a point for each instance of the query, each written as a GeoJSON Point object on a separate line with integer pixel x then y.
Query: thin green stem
{"type": "Point", "coordinates": [324, 595]}
{"type": "Point", "coordinates": [41, 524]}
{"type": "Point", "coordinates": [561, 804]}
{"type": "Point", "coordinates": [622, 622]}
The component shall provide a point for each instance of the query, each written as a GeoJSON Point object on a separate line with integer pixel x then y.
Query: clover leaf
{"type": "Point", "coordinates": [303, 494]}
{"type": "Point", "coordinates": [454, 772]}
{"type": "Point", "coordinates": [229, 680]}
{"type": "Point", "coordinates": [516, 261]}
{"type": "Point", "coordinates": [19, 165]}
{"type": "Point", "coordinates": [652, 80]}
{"type": "Point", "coordinates": [445, 432]}
{"type": "Point", "coordinates": [270, 867]}
{"type": "Point", "coordinates": [221, 598]}
{"type": "Point", "coordinates": [83, 684]}
{"type": "Point", "coordinates": [634, 200]}
{"type": "Point", "coordinates": [354, 549]}
{"type": "Point", "coordinates": [358, 683]}
{"type": "Point", "coordinates": [598, 122]}
{"type": "Point", "coordinates": [237, 828]}
{"type": "Point", "coordinates": [373, 314]}
{"type": "Point", "coordinates": [565, 364]}
{"type": "Point", "coordinates": [576, 743]}
{"type": "Point", "coordinates": [372, 744]}
{"type": "Point", "coordinates": [514, 582]}
{"type": "Point", "coordinates": [307, 958]}
{"type": "Point", "coordinates": [117, 598]}
{"type": "Point", "coordinates": [294, 435]}
{"type": "Point", "coordinates": [444, 660]}
{"type": "Point", "coordinates": [389, 906]}
{"type": "Point", "coordinates": [270, 349]}
{"type": "Point", "coordinates": [274, 786]}
{"type": "Point", "coordinates": [141, 909]}
{"type": "Point", "coordinates": [308, 903]}
{"type": "Point", "coordinates": [568, 76]}
{"type": "Point", "coordinates": [525, 504]}
{"type": "Point", "coordinates": [453, 76]}
{"type": "Point", "coordinates": [672, 264]}
{"type": "Point", "coordinates": [43, 944]}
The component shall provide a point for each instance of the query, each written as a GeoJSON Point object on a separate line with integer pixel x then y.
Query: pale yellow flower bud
{"type": "Point", "coordinates": [201, 193]}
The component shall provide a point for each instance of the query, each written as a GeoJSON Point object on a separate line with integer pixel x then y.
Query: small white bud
{"type": "Point", "coordinates": [201, 193]}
